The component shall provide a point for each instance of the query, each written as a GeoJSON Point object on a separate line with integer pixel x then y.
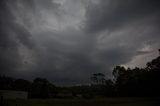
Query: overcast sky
{"type": "Point", "coordinates": [66, 41]}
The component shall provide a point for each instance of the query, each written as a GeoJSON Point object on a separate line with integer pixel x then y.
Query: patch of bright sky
{"type": "Point", "coordinates": [71, 14]}
{"type": "Point", "coordinates": [141, 59]}
{"type": "Point", "coordinates": [61, 2]}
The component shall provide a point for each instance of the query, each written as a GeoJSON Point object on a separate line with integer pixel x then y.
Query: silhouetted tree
{"type": "Point", "coordinates": [153, 69]}
{"type": "Point", "coordinates": [98, 79]}
{"type": "Point", "coordinates": [40, 88]}
{"type": "Point", "coordinates": [138, 81]}
{"type": "Point", "coordinates": [6, 83]}
{"type": "Point", "coordinates": [22, 85]}
{"type": "Point", "coordinates": [109, 88]}
{"type": "Point", "coordinates": [119, 74]}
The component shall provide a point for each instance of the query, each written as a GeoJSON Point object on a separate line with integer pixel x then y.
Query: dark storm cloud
{"type": "Point", "coordinates": [113, 14]}
{"type": "Point", "coordinates": [67, 41]}
{"type": "Point", "coordinates": [135, 21]}
{"type": "Point", "coordinates": [11, 35]}
{"type": "Point", "coordinates": [64, 63]}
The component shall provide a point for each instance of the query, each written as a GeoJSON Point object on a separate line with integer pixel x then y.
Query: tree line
{"type": "Point", "coordinates": [137, 82]}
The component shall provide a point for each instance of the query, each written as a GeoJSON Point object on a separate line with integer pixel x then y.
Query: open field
{"type": "Point", "coordinates": [89, 102]}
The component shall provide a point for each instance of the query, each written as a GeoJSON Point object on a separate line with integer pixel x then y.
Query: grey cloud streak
{"type": "Point", "coordinates": [113, 14]}
{"type": "Point", "coordinates": [11, 35]}
{"type": "Point", "coordinates": [67, 41]}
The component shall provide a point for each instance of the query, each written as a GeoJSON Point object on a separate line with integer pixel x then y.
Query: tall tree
{"type": "Point", "coordinates": [98, 78]}
{"type": "Point", "coordinates": [21, 84]}
{"type": "Point", "coordinates": [40, 88]}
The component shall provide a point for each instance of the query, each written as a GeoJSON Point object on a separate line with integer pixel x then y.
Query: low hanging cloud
{"type": "Point", "coordinates": [11, 36]}
{"type": "Point", "coordinates": [67, 41]}
{"type": "Point", "coordinates": [114, 14]}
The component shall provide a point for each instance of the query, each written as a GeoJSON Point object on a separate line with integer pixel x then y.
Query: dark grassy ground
{"type": "Point", "coordinates": [85, 102]}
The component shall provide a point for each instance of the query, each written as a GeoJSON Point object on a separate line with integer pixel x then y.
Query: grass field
{"type": "Point", "coordinates": [89, 102]}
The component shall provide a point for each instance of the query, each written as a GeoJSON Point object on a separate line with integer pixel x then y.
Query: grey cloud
{"type": "Point", "coordinates": [113, 14]}
{"type": "Point", "coordinates": [11, 36]}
